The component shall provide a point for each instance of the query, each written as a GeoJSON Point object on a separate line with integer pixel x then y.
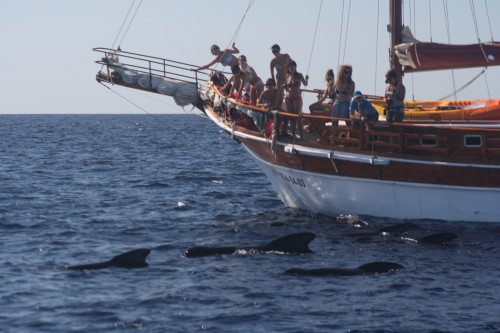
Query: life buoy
{"type": "Point", "coordinates": [270, 127]}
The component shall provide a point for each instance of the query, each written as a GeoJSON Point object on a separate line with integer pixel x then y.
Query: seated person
{"type": "Point", "coordinates": [361, 109]}
{"type": "Point", "coordinates": [320, 107]}
{"type": "Point", "coordinates": [269, 97]}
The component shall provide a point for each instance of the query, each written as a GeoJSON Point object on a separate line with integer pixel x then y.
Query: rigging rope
{"type": "Point", "coordinates": [489, 22]}
{"type": "Point", "coordinates": [146, 112]}
{"type": "Point", "coordinates": [430, 20]}
{"type": "Point", "coordinates": [447, 20]}
{"type": "Point", "coordinates": [346, 30]}
{"type": "Point", "coordinates": [237, 31]}
{"type": "Point", "coordinates": [376, 46]}
{"type": "Point", "coordinates": [464, 86]}
{"type": "Point", "coordinates": [314, 38]}
{"type": "Point", "coordinates": [123, 24]}
{"type": "Point", "coordinates": [130, 23]}
{"type": "Point", "coordinates": [340, 36]}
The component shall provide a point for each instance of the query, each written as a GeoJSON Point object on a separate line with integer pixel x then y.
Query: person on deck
{"type": "Point", "coordinates": [235, 82]}
{"type": "Point", "coordinates": [252, 82]}
{"type": "Point", "coordinates": [344, 87]}
{"type": "Point", "coordinates": [280, 63]}
{"type": "Point", "coordinates": [226, 57]}
{"type": "Point", "coordinates": [319, 107]}
{"type": "Point", "coordinates": [394, 97]}
{"type": "Point", "coordinates": [361, 109]}
{"type": "Point", "coordinates": [268, 98]}
{"type": "Point", "coordinates": [293, 98]}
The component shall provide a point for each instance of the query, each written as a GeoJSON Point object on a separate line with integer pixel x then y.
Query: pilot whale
{"type": "Point", "coordinates": [441, 238]}
{"type": "Point", "coordinates": [372, 268]}
{"type": "Point", "coordinates": [297, 243]}
{"type": "Point", "coordinates": [399, 228]}
{"type": "Point", "coordinates": [131, 259]}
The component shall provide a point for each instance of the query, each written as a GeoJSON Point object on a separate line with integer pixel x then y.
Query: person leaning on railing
{"type": "Point", "coordinates": [361, 109]}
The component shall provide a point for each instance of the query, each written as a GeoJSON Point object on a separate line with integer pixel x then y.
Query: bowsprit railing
{"type": "Point", "coordinates": [153, 66]}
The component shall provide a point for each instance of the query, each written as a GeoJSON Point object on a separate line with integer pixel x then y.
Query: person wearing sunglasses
{"type": "Point", "coordinates": [320, 107]}
{"type": "Point", "coordinates": [279, 64]}
{"type": "Point", "coordinates": [361, 109]}
{"type": "Point", "coordinates": [344, 87]}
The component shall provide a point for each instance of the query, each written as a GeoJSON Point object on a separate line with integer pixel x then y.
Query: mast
{"type": "Point", "coordinates": [396, 28]}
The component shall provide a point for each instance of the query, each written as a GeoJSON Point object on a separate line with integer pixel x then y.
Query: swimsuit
{"type": "Point", "coordinates": [225, 61]}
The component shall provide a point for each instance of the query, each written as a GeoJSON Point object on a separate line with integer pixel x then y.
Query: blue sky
{"type": "Point", "coordinates": [48, 63]}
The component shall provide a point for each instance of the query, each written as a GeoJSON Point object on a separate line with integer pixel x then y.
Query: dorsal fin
{"type": "Point", "coordinates": [293, 243]}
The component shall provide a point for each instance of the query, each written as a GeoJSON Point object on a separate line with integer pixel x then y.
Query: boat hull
{"type": "Point", "coordinates": [342, 182]}
{"type": "Point", "coordinates": [335, 195]}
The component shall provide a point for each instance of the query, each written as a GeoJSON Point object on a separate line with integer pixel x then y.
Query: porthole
{"type": "Point", "coordinates": [473, 141]}
{"type": "Point", "coordinates": [428, 142]}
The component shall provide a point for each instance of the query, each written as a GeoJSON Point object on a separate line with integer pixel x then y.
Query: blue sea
{"type": "Point", "coordinates": [77, 189]}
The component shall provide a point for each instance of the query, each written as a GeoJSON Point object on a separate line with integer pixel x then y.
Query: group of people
{"type": "Point", "coordinates": [285, 83]}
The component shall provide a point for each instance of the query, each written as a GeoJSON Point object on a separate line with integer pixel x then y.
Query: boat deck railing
{"type": "Point", "coordinates": [152, 66]}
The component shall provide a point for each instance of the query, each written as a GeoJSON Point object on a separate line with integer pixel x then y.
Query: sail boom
{"type": "Point", "coordinates": [422, 56]}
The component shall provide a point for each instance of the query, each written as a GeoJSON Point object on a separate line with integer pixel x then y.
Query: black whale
{"type": "Point", "coordinates": [377, 267]}
{"type": "Point", "coordinates": [131, 259]}
{"type": "Point", "coordinates": [294, 243]}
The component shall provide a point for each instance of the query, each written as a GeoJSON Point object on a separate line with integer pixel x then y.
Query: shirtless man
{"type": "Point", "coordinates": [280, 63]}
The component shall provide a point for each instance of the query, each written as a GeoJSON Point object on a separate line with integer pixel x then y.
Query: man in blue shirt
{"type": "Point", "coordinates": [362, 109]}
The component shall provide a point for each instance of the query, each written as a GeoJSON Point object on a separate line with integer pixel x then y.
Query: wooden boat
{"type": "Point", "coordinates": [447, 170]}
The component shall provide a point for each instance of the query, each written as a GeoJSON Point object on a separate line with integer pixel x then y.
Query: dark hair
{"type": "Point", "coordinates": [391, 73]}
{"type": "Point", "coordinates": [270, 82]}
{"type": "Point", "coordinates": [235, 69]}
{"type": "Point", "coordinates": [275, 47]}
{"type": "Point", "coordinates": [292, 63]}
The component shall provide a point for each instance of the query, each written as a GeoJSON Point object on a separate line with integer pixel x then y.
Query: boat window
{"type": "Point", "coordinates": [428, 142]}
{"type": "Point", "coordinates": [473, 141]}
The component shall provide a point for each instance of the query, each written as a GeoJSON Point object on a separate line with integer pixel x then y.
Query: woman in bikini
{"type": "Point", "coordinates": [252, 82]}
{"type": "Point", "coordinates": [226, 57]}
{"type": "Point", "coordinates": [319, 107]}
{"type": "Point", "coordinates": [345, 88]}
{"type": "Point", "coordinates": [293, 98]}
{"type": "Point", "coordinates": [280, 64]}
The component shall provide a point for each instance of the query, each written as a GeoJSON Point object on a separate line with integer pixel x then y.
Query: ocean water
{"type": "Point", "coordinates": [78, 189]}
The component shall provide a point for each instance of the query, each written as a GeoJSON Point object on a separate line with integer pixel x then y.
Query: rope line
{"type": "Point", "coordinates": [146, 112]}
{"type": "Point", "coordinates": [341, 30]}
{"type": "Point", "coordinates": [346, 31]}
{"type": "Point", "coordinates": [464, 86]}
{"type": "Point", "coordinates": [314, 38]}
{"type": "Point", "coordinates": [237, 31]}
{"type": "Point", "coordinates": [123, 23]}
{"type": "Point", "coordinates": [489, 22]}
{"type": "Point", "coordinates": [130, 23]}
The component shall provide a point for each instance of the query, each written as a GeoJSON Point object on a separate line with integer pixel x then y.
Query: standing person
{"type": "Point", "coordinates": [280, 63]}
{"type": "Point", "coordinates": [319, 106]}
{"type": "Point", "coordinates": [293, 99]}
{"type": "Point", "coordinates": [394, 97]}
{"type": "Point", "coordinates": [268, 97]}
{"type": "Point", "coordinates": [362, 109]}
{"type": "Point", "coordinates": [226, 57]}
{"type": "Point", "coordinates": [252, 82]}
{"type": "Point", "coordinates": [344, 87]}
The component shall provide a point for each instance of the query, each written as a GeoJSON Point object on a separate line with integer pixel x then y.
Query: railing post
{"type": "Point", "coordinates": [150, 75]}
